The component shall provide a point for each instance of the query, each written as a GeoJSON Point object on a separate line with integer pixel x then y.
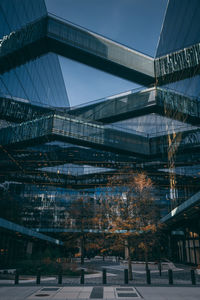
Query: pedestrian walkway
{"type": "Point", "coordinates": [99, 293]}
{"type": "Point", "coordinates": [140, 268]}
{"type": "Point", "coordinates": [72, 293]}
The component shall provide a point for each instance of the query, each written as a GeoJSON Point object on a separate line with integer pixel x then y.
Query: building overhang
{"type": "Point", "coordinates": [51, 34]}
{"type": "Point", "coordinates": [8, 225]}
{"type": "Point", "coordinates": [63, 127]}
{"type": "Point", "coordinates": [178, 65]}
{"type": "Point", "coordinates": [184, 211]}
{"type": "Point", "coordinates": [133, 104]}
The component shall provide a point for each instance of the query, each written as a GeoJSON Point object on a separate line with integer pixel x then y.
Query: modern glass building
{"type": "Point", "coordinates": [52, 154]}
{"type": "Point", "coordinates": [178, 45]}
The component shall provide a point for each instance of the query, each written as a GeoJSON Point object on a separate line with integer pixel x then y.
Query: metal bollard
{"type": "Point", "coordinates": [148, 276]}
{"type": "Point", "coordinates": [82, 276]}
{"type": "Point", "coordinates": [104, 278]}
{"type": "Point", "coordinates": [193, 277]}
{"type": "Point", "coordinates": [38, 277]}
{"type": "Point", "coordinates": [160, 268]}
{"type": "Point", "coordinates": [170, 275]}
{"type": "Point", "coordinates": [60, 277]}
{"type": "Point", "coordinates": [126, 276]}
{"type": "Point", "coordinates": [16, 277]}
{"type": "Point", "coordinates": [146, 266]}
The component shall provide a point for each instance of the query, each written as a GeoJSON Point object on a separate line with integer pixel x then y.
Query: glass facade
{"type": "Point", "coordinates": [39, 81]}
{"type": "Point", "coordinates": [180, 27]}
{"type": "Point", "coordinates": [51, 156]}
{"type": "Point", "coordinates": [17, 13]}
{"type": "Point", "coordinates": [180, 34]}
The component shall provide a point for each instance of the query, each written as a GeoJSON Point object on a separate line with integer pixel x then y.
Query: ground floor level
{"type": "Point", "coordinates": [103, 292]}
{"type": "Point", "coordinates": [184, 241]}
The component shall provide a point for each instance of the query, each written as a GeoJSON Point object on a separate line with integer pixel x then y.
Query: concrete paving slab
{"type": "Point", "coordinates": [108, 289]}
{"type": "Point", "coordinates": [56, 298]}
{"type": "Point", "coordinates": [16, 293]}
{"type": "Point", "coordinates": [70, 294]}
{"type": "Point", "coordinates": [110, 293]}
{"type": "Point", "coordinates": [169, 293]}
{"type": "Point", "coordinates": [74, 288]}
{"type": "Point", "coordinates": [84, 295]}
{"type": "Point", "coordinates": [87, 289]}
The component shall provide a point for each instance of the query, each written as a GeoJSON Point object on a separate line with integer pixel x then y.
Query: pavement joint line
{"type": "Point", "coordinates": [139, 293]}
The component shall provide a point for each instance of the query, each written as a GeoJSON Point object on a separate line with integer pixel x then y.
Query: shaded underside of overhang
{"type": "Point", "coordinates": [13, 227]}
{"type": "Point", "coordinates": [184, 211]}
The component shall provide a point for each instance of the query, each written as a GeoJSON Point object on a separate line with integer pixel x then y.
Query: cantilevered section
{"type": "Point", "coordinates": [179, 143]}
{"type": "Point", "coordinates": [115, 108]}
{"type": "Point", "coordinates": [178, 65]}
{"type": "Point", "coordinates": [118, 107]}
{"type": "Point", "coordinates": [75, 131]}
{"type": "Point", "coordinates": [26, 231]}
{"type": "Point", "coordinates": [134, 104]}
{"type": "Point", "coordinates": [17, 111]}
{"type": "Point", "coordinates": [191, 206]}
{"type": "Point", "coordinates": [50, 34]}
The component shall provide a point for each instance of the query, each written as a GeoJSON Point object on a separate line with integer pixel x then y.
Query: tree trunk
{"type": "Point", "coordinates": [82, 249]}
{"type": "Point", "coordinates": [130, 273]}
{"type": "Point", "coordinates": [146, 260]}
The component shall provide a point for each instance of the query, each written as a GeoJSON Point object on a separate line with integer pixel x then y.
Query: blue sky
{"type": "Point", "coordinates": [135, 23]}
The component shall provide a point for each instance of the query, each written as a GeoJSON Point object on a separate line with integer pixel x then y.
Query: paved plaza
{"type": "Point", "coordinates": [115, 275]}
{"type": "Point", "coordinates": [97, 293]}
{"type": "Point", "coordinates": [115, 288]}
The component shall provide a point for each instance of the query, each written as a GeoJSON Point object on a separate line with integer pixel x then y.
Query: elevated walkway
{"type": "Point", "coordinates": [70, 129]}
{"type": "Point", "coordinates": [133, 104]}
{"type": "Point", "coordinates": [76, 131]}
{"type": "Point", "coordinates": [51, 34]}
